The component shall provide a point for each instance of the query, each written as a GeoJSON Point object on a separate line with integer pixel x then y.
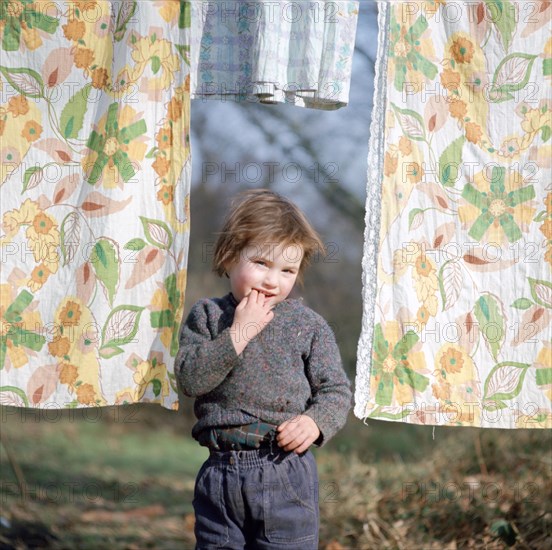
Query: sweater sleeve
{"type": "Point", "coordinates": [331, 397]}
{"type": "Point", "coordinates": [205, 357]}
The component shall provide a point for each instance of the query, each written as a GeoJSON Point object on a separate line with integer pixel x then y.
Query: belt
{"type": "Point", "coordinates": [257, 435]}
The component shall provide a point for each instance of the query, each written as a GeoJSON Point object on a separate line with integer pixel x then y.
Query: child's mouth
{"type": "Point", "coordinates": [266, 294]}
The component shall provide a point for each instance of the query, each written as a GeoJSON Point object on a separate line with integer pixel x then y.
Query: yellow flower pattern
{"type": "Point", "coordinates": [461, 293]}
{"type": "Point", "coordinates": [95, 200]}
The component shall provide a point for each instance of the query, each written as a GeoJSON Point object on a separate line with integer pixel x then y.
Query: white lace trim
{"type": "Point", "coordinates": [372, 217]}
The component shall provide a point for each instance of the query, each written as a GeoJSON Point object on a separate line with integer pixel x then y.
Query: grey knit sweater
{"type": "Point", "coordinates": [291, 367]}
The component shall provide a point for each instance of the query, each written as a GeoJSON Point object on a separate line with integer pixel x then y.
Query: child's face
{"type": "Point", "coordinates": [270, 269]}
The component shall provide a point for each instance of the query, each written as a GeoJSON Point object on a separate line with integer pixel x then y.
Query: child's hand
{"type": "Point", "coordinates": [252, 315]}
{"type": "Point", "coordinates": [297, 434]}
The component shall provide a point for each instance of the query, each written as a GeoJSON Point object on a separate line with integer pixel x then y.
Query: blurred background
{"type": "Point", "coordinates": [123, 477]}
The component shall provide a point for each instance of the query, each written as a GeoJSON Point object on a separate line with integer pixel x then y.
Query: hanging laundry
{"type": "Point", "coordinates": [269, 52]}
{"type": "Point", "coordinates": [95, 174]}
{"type": "Point", "coordinates": [457, 279]}
{"type": "Point", "coordinates": [95, 181]}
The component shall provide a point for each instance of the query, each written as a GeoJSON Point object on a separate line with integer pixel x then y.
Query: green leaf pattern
{"type": "Point", "coordinates": [72, 104]}
{"type": "Point", "coordinates": [462, 315]}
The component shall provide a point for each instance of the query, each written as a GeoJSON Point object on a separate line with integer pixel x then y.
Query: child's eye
{"type": "Point", "coordinates": [260, 262]}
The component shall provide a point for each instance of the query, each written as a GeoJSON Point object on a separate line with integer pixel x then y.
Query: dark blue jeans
{"type": "Point", "coordinates": [255, 500]}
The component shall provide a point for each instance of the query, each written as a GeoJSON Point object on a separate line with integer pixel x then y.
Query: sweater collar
{"type": "Point", "coordinates": [232, 300]}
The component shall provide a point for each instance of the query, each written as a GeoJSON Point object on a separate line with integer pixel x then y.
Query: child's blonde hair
{"type": "Point", "coordinates": [264, 217]}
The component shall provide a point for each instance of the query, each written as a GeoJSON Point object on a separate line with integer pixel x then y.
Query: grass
{"type": "Point", "coordinates": [127, 482]}
{"type": "Point", "coordinates": [95, 483]}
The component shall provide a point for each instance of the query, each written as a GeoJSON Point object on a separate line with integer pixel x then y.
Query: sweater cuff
{"type": "Point", "coordinates": [227, 347]}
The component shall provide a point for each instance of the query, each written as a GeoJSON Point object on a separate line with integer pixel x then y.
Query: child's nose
{"type": "Point", "coordinates": [270, 278]}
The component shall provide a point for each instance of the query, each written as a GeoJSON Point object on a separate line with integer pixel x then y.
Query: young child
{"type": "Point", "coordinates": [268, 381]}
